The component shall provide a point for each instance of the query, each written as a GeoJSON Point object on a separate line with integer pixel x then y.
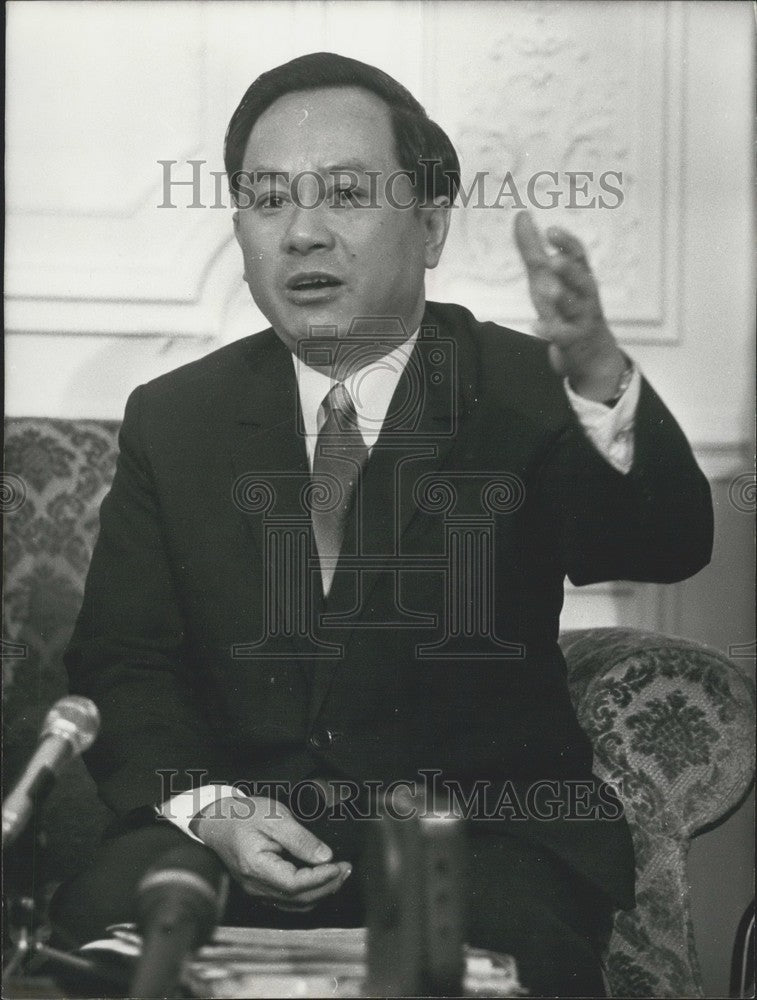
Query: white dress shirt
{"type": "Point", "coordinates": [371, 389]}
{"type": "Point", "coordinates": [610, 429]}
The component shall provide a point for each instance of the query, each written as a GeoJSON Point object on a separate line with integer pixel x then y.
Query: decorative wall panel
{"type": "Point", "coordinates": [573, 111]}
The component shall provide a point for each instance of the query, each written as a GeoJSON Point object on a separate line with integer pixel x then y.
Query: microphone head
{"type": "Point", "coordinates": [190, 876]}
{"type": "Point", "coordinates": [73, 719]}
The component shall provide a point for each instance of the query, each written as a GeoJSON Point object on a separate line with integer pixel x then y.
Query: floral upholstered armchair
{"type": "Point", "coordinates": [671, 721]}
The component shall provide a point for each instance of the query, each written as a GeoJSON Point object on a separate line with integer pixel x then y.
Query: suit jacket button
{"type": "Point", "coordinates": [321, 739]}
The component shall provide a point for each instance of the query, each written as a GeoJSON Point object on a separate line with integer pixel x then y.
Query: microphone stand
{"type": "Point", "coordinates": [31, 950]}
{"type": "Point", "coordinates": [32, 955]}
{"type": "Point", "coordinates": [26, 934]}
{"type": "Point", "coordinates": [22, 928]}
{"type": "Point", "coordinates": [20, 915]}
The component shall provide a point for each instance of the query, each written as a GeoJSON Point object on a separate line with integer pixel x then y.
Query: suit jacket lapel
{"type": "Point", "coordinates": [433, 398]}
{"type": "Point", "coordinates": [268, 451]}
{"type": "Point", "coordinates": [271, 473]}
{"type": "Point", "coordinates": [430, 406]}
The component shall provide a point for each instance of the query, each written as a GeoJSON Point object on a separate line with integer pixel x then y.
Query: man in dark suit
{"type": "Point", "coordinates": [335, 551]}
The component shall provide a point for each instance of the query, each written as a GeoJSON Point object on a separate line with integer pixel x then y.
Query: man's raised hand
{"type": "Point", "coordinates": [566, 299]}
{"type": "Point", "coordinates": [251, 834]}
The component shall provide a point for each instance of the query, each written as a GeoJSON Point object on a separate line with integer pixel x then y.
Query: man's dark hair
{"type": "Point", "coordinates": [422, 147]}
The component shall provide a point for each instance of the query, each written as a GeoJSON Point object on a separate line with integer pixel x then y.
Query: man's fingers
{"type": "Point", "coordinates": [283, 877]}
{"type": "Point", "coordinates": [303, 880]}
{"type": "Point", "coordinates": [567, 243]}
{"type": "Point", "coordinates": [256, 886]}
{"type": "Point", "coordinates": [292, 881]}
{"type": "Point", "coordinates": [557, 360]}
{"type": "Point", "coordinates": [570, 305]}
{"type": "Point", "coordinates": [309, 896]}
{"type": "Point", "coordinates": [557, 331]}
{"type": "Point", "coordinates": [530, 243]}
{"type": "Point", "coordinates": [573, 273]}
{"type": "Point", "coordinates": [570, 263]}
{"type": "Point", "coordinates": [553, 296]}
{"type": "Point", "coordinates": [545, 287]}
{"type": "Point", "coordinates": [293, 836]}
{"type": "Point", "coordinates": [293, 904]}
{"type": "Point", "coordinates": [313, 895]}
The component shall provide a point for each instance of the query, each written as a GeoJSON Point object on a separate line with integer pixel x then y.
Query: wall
{"type": "Point", "coordinates": [105, 289]}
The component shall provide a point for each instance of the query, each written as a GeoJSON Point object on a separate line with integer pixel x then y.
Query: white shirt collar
{"type": "Point", "coordinates": [370, 387]}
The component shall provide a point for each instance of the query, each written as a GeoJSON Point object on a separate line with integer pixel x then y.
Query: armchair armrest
{"type": "Point", "coordinates": [671, 723]}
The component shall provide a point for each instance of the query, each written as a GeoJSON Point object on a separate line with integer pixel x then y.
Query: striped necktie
{"type": "Point", "coordinates": [340, 455]}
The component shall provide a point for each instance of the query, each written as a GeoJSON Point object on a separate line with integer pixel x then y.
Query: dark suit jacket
{"type": "Point", "coordinates": [441, 651]}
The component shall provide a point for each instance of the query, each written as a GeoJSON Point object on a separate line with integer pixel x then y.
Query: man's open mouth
{"type": "Point", "coordinates": [312, 282]}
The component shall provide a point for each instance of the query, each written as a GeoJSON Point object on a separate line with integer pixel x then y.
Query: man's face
{"type": "Point", "coordinates": [330, 264]}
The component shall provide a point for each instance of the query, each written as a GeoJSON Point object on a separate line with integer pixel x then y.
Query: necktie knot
{"type": "Point", "coordinates": [338, 412]}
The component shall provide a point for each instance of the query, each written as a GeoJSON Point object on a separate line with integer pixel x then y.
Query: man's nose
{"type": "Point", "coordinates": [308, 230]}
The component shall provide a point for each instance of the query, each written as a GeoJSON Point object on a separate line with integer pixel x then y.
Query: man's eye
{"type": "Point", "coordinates": [347, 195]}
{"type": "Point", "coordinates": [271, 201]}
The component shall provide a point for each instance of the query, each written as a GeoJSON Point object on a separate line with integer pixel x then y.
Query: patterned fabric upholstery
{"type": "Point", "coordinates": [56, 475]}
{"type": "Point", "coordinates": [671, 721]}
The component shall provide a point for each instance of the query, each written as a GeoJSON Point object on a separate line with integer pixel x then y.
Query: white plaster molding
{"type": "Point", "coordinates": [541, 98]}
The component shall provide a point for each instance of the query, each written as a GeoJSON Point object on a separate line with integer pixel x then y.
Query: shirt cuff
{"type": "Point", "coordinates": [610, 428]}
{"type": "Point", "coordinates": [182, 809]}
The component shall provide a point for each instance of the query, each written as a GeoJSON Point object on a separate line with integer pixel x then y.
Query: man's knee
{"type": "Point", "coordinates": [527, 903]}
{"type": "Point", "coordinates": [105, 892]}
{"type": "Point", "coordinates": [553, 957]}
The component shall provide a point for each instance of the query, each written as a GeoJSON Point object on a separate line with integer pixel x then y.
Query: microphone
{"type": "Point", "coordinates": [179, 902]}
{"type": "Point", "coordinates": [70, 728]}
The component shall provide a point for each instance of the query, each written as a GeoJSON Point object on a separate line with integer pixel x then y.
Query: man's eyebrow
{"type": "Point", "coordinates": [352, 165]}
{"type": "Point", "coordinates": [266, 173]}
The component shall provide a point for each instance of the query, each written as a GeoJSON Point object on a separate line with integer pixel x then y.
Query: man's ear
{"type": "Point", "coordinates": [435, 219]}
{"type": "Point", "coordinates": [235, 218]}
